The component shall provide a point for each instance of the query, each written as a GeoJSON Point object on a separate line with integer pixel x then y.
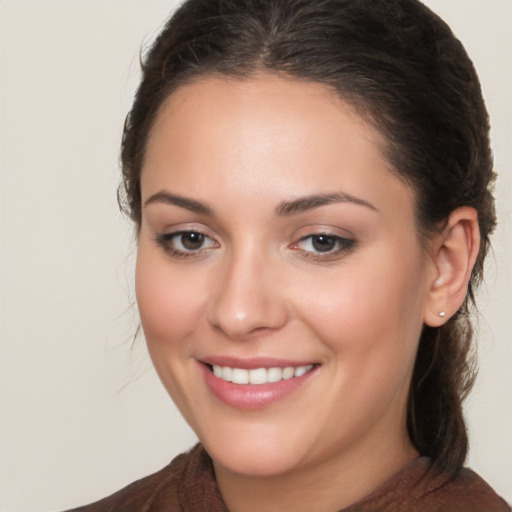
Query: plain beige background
{"type": "Point", "coordinates": [82, 413]}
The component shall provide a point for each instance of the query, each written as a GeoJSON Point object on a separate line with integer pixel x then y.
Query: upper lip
{"type": "Point", "coordinates": [253, 362]}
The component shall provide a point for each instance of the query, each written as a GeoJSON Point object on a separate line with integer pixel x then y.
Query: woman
{"type": "Point", "coordinates": [310, 183]}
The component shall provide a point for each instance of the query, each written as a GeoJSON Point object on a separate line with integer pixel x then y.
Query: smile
{"type": "Point", "coordinates": [259, 376]}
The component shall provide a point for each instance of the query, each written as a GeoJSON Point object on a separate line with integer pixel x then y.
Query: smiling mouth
{"type": "Point", "coordinates": [259, 376]}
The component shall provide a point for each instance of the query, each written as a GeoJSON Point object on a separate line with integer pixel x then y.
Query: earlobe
{"type": "Point", "coordinates": [456, 250]}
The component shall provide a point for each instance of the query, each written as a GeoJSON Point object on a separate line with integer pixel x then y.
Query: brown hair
{"type": "Point", "coordinates": [400, 65]}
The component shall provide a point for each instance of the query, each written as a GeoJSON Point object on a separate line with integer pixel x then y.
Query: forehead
{"type": "Point", "coordinates": [260, 97]}
{"type": "Point", "coordinates": [268, 134]}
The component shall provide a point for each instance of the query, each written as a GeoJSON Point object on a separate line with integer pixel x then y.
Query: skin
{"type": "Point", "coordinates": [257, 287]}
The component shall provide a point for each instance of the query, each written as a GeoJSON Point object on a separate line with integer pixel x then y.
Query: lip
{"type": "Point", "coordinates": [253, 396]}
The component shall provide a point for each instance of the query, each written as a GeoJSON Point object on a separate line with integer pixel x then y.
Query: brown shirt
{"type": "Point", "coordinates": [188, 484]}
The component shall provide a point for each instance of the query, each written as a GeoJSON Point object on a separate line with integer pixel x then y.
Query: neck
{"type": "Point", "coordinates": [332, 485]}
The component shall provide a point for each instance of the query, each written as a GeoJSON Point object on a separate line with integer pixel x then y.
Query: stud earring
{"type": "Point", "coordinates": [442, 314]}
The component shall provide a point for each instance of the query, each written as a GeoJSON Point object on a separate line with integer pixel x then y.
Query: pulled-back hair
{"type": "Point", "coordinates": [404, 71]}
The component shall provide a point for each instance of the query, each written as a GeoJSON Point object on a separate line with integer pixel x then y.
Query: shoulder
{"type": "Point", "coordinates": [141, 494]}
{"type": "Point", "coordinates": [460, 491]}
{"type": "Point", "coordinates": [420, 487]}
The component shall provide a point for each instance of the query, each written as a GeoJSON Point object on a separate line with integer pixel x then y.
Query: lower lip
{"type": "Point", "coordinates": [253, 396]}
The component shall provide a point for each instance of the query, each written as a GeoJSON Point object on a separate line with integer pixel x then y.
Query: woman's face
{"type": "Point", "coordinates": [278, 251]}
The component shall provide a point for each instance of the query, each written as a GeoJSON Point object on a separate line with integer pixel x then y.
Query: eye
{"type": "Point", "coordinates": [185, 243]}
{"type": "Point", "coordinates": [324, 245]}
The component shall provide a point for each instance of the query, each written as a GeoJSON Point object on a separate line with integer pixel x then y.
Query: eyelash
{"type": "Point", "coordinates": [167, 242]}
{"type": "Point", "coordinates": [340, 244]}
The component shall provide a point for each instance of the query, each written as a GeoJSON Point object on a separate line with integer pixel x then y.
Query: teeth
{"type": "Point", "coordinates": [226, 373]}
{"type": "Point", "coordinates": [259, 375]}
{"type": "Point", "coordinates": [301, 370]}
{"type": "Point", "coordinates": [288, 372]}
{"type": "Point", "coordinates": [239, 376]}
{"type": "Point", "coordinates": [274, 374]}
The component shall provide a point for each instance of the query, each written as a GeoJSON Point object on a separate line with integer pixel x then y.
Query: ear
{"type": "Point", "coordinates": [454, 255]}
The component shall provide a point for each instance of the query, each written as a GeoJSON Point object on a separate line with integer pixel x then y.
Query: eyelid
{"type": "Point", "coordinates": [344, 240]}
{"type": "Point", "coordinates": [337, 238]}
{"type": "Point", "coordinates": [322, 229]}
{"type": "Point", "coordinates": [184, 227]}
{"type": "Point", "coordinates": [177, 234]}
{"type": "Point", "coordinates": [165, 240]}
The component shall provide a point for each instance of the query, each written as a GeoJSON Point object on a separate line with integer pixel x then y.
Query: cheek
{"type": "Point", "coordinates": [170, 309]}
{"type": "Point", "coordinates": [169, 303]}
{"type": "Point", "coordinates": [370, 322]}
{"type": "Point", "coordinates": [374, 306]}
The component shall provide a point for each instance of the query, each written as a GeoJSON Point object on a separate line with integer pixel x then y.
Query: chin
{"type": "Point", "coordinates": [255, 463]}
{"type": "Point", "coordinates": [262, 456]}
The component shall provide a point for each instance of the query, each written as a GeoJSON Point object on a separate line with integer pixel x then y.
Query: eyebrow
{"type": "Point", "coordinates": [182, 202]}
{"type": "Point", "coordinates": [303, 204]}
{"type": "Point", "coordinates": [284, 209]}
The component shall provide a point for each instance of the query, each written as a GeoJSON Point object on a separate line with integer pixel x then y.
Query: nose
{"type": "Point", "coordinates": [248, 300]}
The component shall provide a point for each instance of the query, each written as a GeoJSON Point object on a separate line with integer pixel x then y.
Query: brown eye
{"type": "Point", "coordinates": [323, 243]}
{"type": "Point", "coordinates": [324, 246]}
{"type": "Point", "coordinates": [192, 241]}
{"type": "Point", "coordinates": [186, 243]}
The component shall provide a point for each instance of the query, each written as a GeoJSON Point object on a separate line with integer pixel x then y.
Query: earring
{"type": "Point", "coordinates": [441, 314]}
